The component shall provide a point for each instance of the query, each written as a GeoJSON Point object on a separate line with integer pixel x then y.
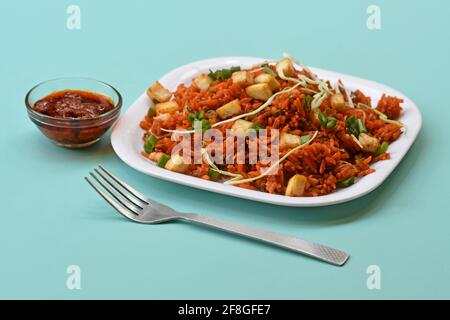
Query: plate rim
{"type": "Point", "coordinates": [327, 200]}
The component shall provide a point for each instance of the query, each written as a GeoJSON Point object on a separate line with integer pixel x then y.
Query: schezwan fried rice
{"type": "Point", "coordinates": [328, 136]}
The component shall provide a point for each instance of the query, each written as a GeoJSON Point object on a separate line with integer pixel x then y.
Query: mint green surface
{"type": "Point", "coordinates": [50, 218]}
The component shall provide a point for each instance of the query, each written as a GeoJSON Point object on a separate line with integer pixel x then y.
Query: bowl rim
{"type": "Point", "coordinates": [117, 106]}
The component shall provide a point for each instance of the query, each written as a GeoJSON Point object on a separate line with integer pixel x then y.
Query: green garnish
{"type": "Point", "coordinates": [361, 127]}
{"type": "Point", "coordinates": [163, 161]}
{"type": "Point", "coordinates": [327, 122]}
{"type": "Point", "coordinates": [355, 126]}
{"type": "Point", "coordinates": [382, 149]}
{"type": "Point", "coordinates": [257, 127]}
{"type": "Point", "coordinates": [223, 74]}
{"type": "Point", "coordinates": [267, 70]}
{"type": "Point", "coordinates": [307, 100]}
{"type": "Point", "coordinates": [305, 139]}
{"type": "Point", "coordinates": [199, 115]}
{"type": "Point", "coordinates": [279, 113]}
{"type": "Point", "coordinates": [191, 117]}
{"type": "Point", "coordinates": [150, 144]}
{"type": "Point", "coordinates": [205, 125]}
{"type": "Point", "coordinates": [331, 122]}
{"type": "Point", "coordinates": [346, 183]}
{"type": "Point", "coordinates": [151, 112]}
{"type": "Point", "coordinates": [213, 175]}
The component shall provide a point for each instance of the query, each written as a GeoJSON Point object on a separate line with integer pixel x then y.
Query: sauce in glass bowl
{"type": "Point", "coordinates": [74, 104]}
{"type": "Point", "coordinates": [73, 112]}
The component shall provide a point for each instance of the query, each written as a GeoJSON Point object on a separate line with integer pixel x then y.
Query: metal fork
{"type": "Point", "coordinates": [135, 206]}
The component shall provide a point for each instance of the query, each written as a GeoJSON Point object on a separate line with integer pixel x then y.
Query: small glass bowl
{"type": "Point", "coordinates": [73, 133]}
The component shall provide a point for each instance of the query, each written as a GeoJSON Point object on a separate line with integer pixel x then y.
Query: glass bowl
{"type": "Point", "coordinates": [72, 132]}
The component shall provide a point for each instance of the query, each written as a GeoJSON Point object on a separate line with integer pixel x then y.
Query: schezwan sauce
{"type": "Point", "coordinates": [76, 117]}
{"type": "Point", "coordinates": [74, 104]}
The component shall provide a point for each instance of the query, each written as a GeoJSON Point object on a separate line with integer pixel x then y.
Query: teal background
{"type": "Point", "coordinates": [51, 219]}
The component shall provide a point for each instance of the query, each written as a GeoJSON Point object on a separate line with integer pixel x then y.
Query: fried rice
{"type": "Point", "coordinates": [350, 135]}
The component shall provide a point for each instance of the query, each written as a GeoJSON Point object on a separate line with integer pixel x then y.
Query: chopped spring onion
{"type": "Point", "coordinates": [355, 126]}
{"type": "Point", "coordinates": [361, 126]}
{"type": "Point", "coordinates": [213, 175]}
{"type": "Point", "coordinates": [382, 149]}
{"type": "Point", "coordinates": [205, 125]}
{"type": "Point", "coordinates": [323, 119]}
{"type": "Point", "coordinates": [307, 100]}
{"type": "Point", "coordinates": [327, 122]}
{"type": "Point", "coordinates": [331, 123]}
{"type": "Point", "coordinates": [215, 168]}
{"type": "Point", "coordinates": [163, 161]}
{"type": "Point", "coordinates": [267, 70]}
{"type": "Point", "coordinates": [150, 144]}
{"type": "Point", "coordinates": [223, 74]}
{"type": "Point", "coordinates": [257, 127]}
{"type": "Point", "coordinates": [192, 117]}
{"type": "Point", "coordinates": [275, 165]}
{"type": "Point", "coordinates": [151, 112]}
{"type": "Point", "coordinates": [305, 139]}
{"type": "Point", "coordinates": [346, 183]}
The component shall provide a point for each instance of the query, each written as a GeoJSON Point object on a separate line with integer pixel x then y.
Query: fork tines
{"type": "Point", "coordinates": [121, 196]}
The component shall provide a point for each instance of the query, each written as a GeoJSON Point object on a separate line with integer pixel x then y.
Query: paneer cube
{"type": "Point", "coordinates": [338, 102]}
{"type": "Point", "coordinates": [155, 156]}
{"type": "Point", "coordinates": [296, 186]}
{"type": "Point", "coordinates": [260, 91]}
{"type": "Point", "coordinates": [162, 118]}
{"type": "Point", "coordinates": [288, 140]}
{"type": "Point", "coordinates": [241, 127]}
{"type": "Point", "coordinates": [177, 164]}
{"type": "Point", "coordinates": [158, 93]}
{"type": "Point", "coordinates": [269, 79]}
{"type": "Point", "coordinates": [167, 107]}
{"type": "Point", "coordinates": [369, 144]}
{"type": "Point", "coordinates": [230, 109]}
{"type": "Point", "coordinates": [242, 78]}
{"type": "Point", "coordinates": [286, 67]}
{"type": "Point", "coordinates": [203, 82]}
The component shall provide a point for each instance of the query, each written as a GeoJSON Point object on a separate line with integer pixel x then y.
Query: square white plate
{"type": "Point", "coordinates": [127, 137]}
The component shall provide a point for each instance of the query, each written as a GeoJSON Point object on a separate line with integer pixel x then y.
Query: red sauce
{"type": "Point", "coordinates": [78, 113]}
{"type": "Point", "coordinates": [74, 104]}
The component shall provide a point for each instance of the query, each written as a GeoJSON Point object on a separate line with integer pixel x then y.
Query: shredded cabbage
{"type": "Point", "coordinates": [276, 164]}
{"type": "Point", "coordinates": [381, 115]}
{"type": "Point", "coordinates": [357, 141]}
{"type": "Point", "coordinates": [296, 61]}
{"type": "Point", "coordinates": [319, 97]}
{"type": "Point", "coordinates": [215, 168]}
{"type": "Point", "coordinates": [350, 101]}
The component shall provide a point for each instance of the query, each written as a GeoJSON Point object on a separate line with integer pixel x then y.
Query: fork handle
{"type": "Point", "coordinates": [311, 249]}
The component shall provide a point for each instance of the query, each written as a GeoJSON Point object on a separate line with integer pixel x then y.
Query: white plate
{"type": "Point", "coordinates": [127, 137]}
